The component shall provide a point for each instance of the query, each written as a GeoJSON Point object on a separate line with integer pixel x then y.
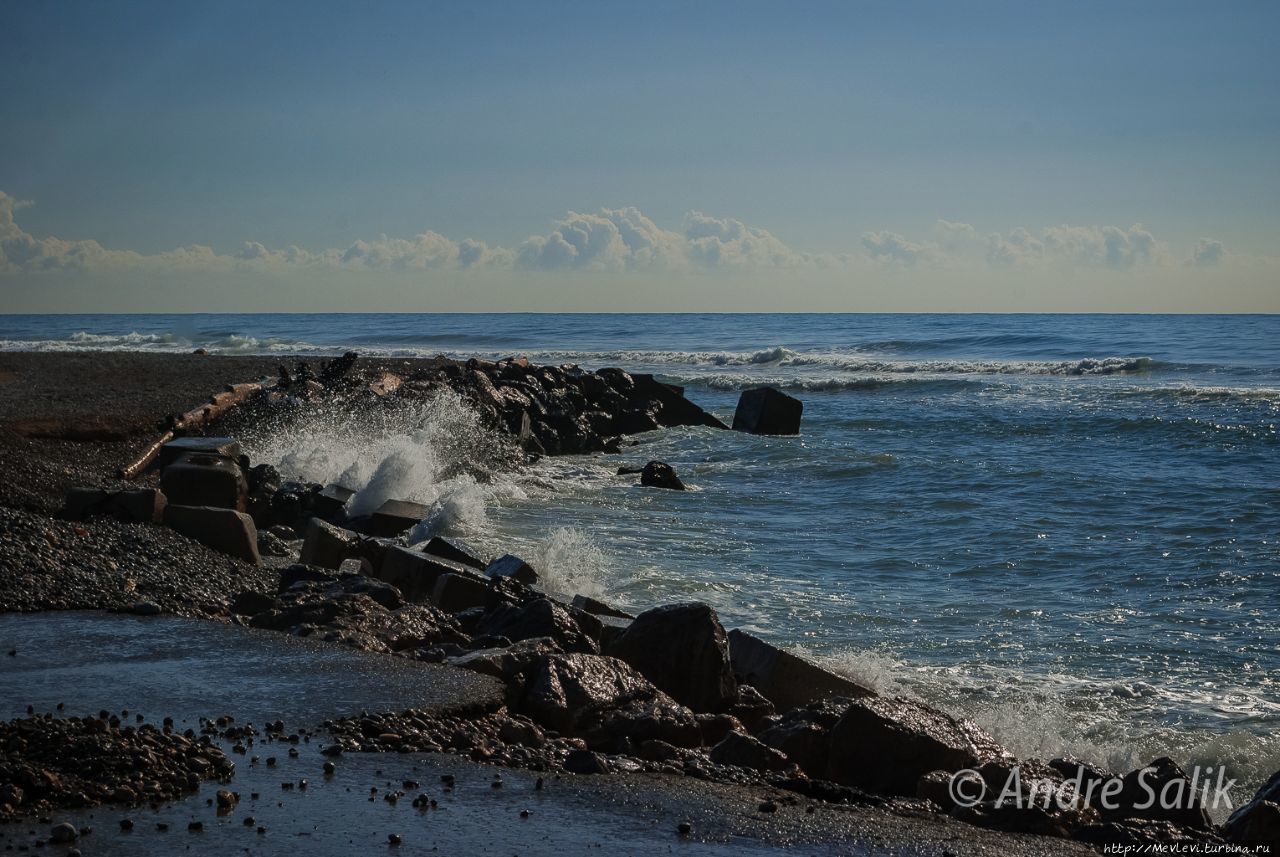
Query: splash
{"type": "Point", "coordinates": [571, 563]}
{"type": "Point", "coordinates": [436, 452]}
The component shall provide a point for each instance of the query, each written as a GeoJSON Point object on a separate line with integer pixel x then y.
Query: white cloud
{"type": "Point", "coordinates": [716, 243]}
{"type": "Point", "coordinates": [1089, 246]}
{"type": "Point", "coordinates": [1208, 251]}
{"type": "Point", "coordinates": [892, 247]}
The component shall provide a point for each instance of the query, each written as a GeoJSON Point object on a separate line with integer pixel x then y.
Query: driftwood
{"type": "Point", "coordinates": [196, 418]}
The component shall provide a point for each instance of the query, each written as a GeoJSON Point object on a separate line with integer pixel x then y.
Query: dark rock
{"type": "Point", "coordinates": [764, 410]}
{"type": "Point", "coordinates": [331, 502]}
{"type": "Point", "coordinates": [455, 550]}
{"type": "Point", "coordinates": [456, 592]}
{"type": "Point", "coordinates": [1258, 821]}
{"type": "Point", "coordinates": [395, 517]}
{"type": "Point", "coordinates": [224, 530]}
{"type": "Point", "coordinates": [935, 787]}
{"type": "Point", "coordinates": [626, 470]}
{"type": "Point", "coordinates": [1135, 833]}
{"type": "Point", "coordinates": [270, 544]}
{"type": "Point", "coordinates": [327, 546]}
{"type": "Point", "coordinates": [1175, 802]}
{"type": "Point", "coordinates": [541, 617]}
{"type": "Point", "coordinates": [598, 608]}
{"type": "Point", "coordinates": [140, 505]}
{"type": "Point", "coordinates": [886, 745]}
{"type": "Point", "coordinates": [250, 603]}
{"type": "Point", "coordinates": [746, 752]}
{"type": "Point", "coordinates": [750, 706]}
{"type": "Point", "coordinates": [224, 447]}
{"type": "Point", "coordinates": [197, 479]}
{"type": "Point", "coordinates": [300, 573]}
{"type": "Point", "coordinates": [510, 662]}
{"type": "Point", "coordinates": [514, 567]}
{"type": "Point", "coordinates": [659, 474]}
{"type": "Point", "coordinates": [675, 409]}
{"type": "Point", "coordinates": [804, 742]}
{"type": "Point", "coordinates": [786, 680]}
{"type": "Point", "coordinates": [713, 727]}
{"type": "Point", "coordinates": [415, 573]}
{"type": "Point", "coordinates": [585, 762]}
{"type": "Point", "coordinates": [683, 650]}
{"type": "Point", "coordinates": [63, 833]}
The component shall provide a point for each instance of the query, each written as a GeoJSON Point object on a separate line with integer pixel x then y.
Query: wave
{"type": "Point", "coordinates": [823, 383]}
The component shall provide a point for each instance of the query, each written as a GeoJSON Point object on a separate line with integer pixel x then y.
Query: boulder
{"type": "Point", "coordinates": [415, 573]}
{"type": "Point", "coordinates": [300, 573]}
{"type": "Point", "coordinates": [249, 603]}
{"type": "Point", "coordinates": [513, 567]}
{"type": "Point", "coordinates": [804, 742]}
{"type": "Point", "coordinates": [541, 617]}
{"type": "Point", "coordinates": [394, 517]}
{"type": "Point", "coordinates": [330, 502]}
{"type": "Point", "coordinates": [751, 706]}
{"type": "Point", "coordinates": [327, 546]}
{"type": "Point", "coordinates": [456, 592]}
{"type": "Point", "coordinates": [224, 530]}
{"type": "Point", "coordinates": [1258, 821]}
{"type": "Point", "coordinates": [675, 409]}
{"type": "Point", "coordinates": [764, 410]}
{"type": "Point", "coordinates": [455, 550]}
{"type": "Point", "coordinates": [886, 745]}
{"type": "Point", "coordinates": [785, 680]}
{"type": "Point", "coordinates": [585, 762]}
{"type": "Point", "coordinates": [598, 608]}
{"type": "Point", "coordinates": [746, 752]}
{"type": "Point", "coordinates": [683, 650]}
{"type": "Point", "coordinates": [507, 663]}
{"type": "Point", "coordinates": [199, 479]}
{"type": "Point", "coordinates": [140, 505]}
{"type": "Point", "coordinates": [560, 687]}
{"type": "Point", "coordinates": [1177, 796]}
{"type": "Point", "coordinates": [224, 447]}
{"type": "Point", "coordinates": [659, 474]}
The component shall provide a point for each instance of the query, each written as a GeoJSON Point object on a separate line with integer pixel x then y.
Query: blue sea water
{"type": "Point", "coordinates": [1065, 526]}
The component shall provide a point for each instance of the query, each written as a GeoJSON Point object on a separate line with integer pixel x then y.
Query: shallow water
{"type": "Point", "coordinates": [1067, 527]}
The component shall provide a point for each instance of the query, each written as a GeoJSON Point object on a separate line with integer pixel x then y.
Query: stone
{"type": "Point", "coordinates": [1164, 778]}
{"type": "Point", "coordinates": [249, 603]}
{"type": "Point", "coordinates": [395, 517]}
{"type": "Point", "coordinates": [269, 544]}
{"type": "Point", "coordinates": [585, 762]}
{"type": "Point", "coordinates": [804, 742]}
{"type": "Point", "coordinates": [598, 608]}
{"type": "Point", "coordinates": [225, 447]}
{"type": "Point", "coordinates": [784, 679]}
{"type": "Point", "coordinates": [223, 530]}
{"type": "Point", "coordinates": [541, 617]}
{"type": "Point", "coordinates": [415, 573]}
{"type": "Point", "coordinates": [140, 505]}
{"type": "Point", "coordinates": [63, 833]}
{"type": "Point", "coordinates": [659, 474]}
{"type": "Point", "coordinates": [764, 410]}
{"type": "Point", "coordinates": [560, 687]}
{"type": "Point", "coordinates": [751, 706]}
{"type": "Point", "coordinates": [507, 663]}
{"type": "Point", "coordinates": [456, 592]}
{"type": "Point", "coordinates": [683, 650]}
{"type": "Point", "coordinates": [513, 567]}
{"type": "Point", "coordinates": [1258, 821]}
{"type": "Point", "coordinates": [197, 479]}
{"type": "Point", "coordinates": [675, 409]}
{"type": "Point", "coordinates": [886, 745]}
{"type": "Point", "coordinates": [327, 546]}
{"type": "Point", "coordinates": [455, 550]}
{"type": "Point", "coordinates": [301, 573]}
{"type": "Point", "coordinates": [746, 752]}
{"type": "Point", "coordinates": [331, 501]}
{"type": "Point", "coordinates": [611, 627]}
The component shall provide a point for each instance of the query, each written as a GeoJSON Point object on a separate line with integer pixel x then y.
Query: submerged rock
{"type": "Point", "coordinates": [659, 474]}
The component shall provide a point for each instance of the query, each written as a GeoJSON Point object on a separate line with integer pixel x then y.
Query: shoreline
{"type": "Point", "coordinates": [74, 414]}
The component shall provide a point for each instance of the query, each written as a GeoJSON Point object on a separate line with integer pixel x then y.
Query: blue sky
{"type": "Point", "coordinates": [844, 132]}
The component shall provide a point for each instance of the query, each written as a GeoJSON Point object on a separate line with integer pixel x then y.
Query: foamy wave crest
{"type": "Point", "coordinates": [436, 453]}
{"type": "Point", "coordinates": [871, 669]}
{"type": "Point", "coordinates": [819, 383]}
{"type": "Point", "coordinates": [570, 563]}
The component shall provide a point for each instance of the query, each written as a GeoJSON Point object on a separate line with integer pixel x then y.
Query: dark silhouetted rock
{"type": "Point", "coordinates": [684, 651]}
{"type": "Point", "coordinates": [746, 752]}
{"type": "Point", "coordinates": [455, 550]}
{"type": "Point", "coordinates": [510, 662]}
{"type": "Point", "coordinates": [197, 479]}
{"type": "Point", "coordinates": [598, 608]}
{"type": "Point", "coordinates": [250, 603]}
{"type": "Point", "coordinates": [1258, 821]}
{"type": "Point", "coordinates": [327, 546]}
{"type": "Point", "coordinates": [751, 706]}
{"type": "Point", "coordinates": [395, 517]}
{"type": "Point", "coordinates": [415, 573]}
{"type": "Point", "coordinates": [1176, 801]}
{"type": "Point", "coordinates": [456, 592]}
{"type": "Point", "coordinates": [886, 745]}
{"type": "Point", "coordinates": [541, 617]}
{"type": "Point", "coordinates": [513, 567]}
{"type": "Point", "coordinates": [659, 474]}
{"type": "Point", "coordinates": [764, 410]}
{"type": "Point", "coordinates": [786, 680]}
{"type": "Point", "coordinates": [585, 762]}
{"type": "Point", "coordinates": [223, 530]}
{"type": "Point", "coordinates": [330, 502]}
{"type": "Point", "coordinates": [224, 447]}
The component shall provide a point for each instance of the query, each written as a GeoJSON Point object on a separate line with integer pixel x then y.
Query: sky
{"type": "Point", "coordinates": [853, 156]}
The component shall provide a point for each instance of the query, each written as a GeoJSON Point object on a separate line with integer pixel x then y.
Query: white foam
{"type": "Point", "coordinates": [571, 563]}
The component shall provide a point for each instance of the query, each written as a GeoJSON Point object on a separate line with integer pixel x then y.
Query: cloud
{"type": "Point", "coordinates": [892, 247]}
{"type": "Point", "coordinates": [1089, 246]}
{"type": "Point", "coordinates": [621, 239]}
{"type": "Point", "coordinates": [1207, 252]}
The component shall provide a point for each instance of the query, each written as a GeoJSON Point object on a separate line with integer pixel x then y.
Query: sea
{"type": "Point", "coordinates": [1066, 527]}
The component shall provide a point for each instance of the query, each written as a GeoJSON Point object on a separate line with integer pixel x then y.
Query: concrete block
{"type": "Point", "coordinates": [223, 530]}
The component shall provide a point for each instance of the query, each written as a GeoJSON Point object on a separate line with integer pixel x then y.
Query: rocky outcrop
{"type": "Point", "coordinates": [659, 474]}
{"type": "Point", "coordinates": [684, 651]}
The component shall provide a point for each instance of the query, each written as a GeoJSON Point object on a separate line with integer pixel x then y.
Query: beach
{"type": "Point", "coordinates": [74, 420]}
